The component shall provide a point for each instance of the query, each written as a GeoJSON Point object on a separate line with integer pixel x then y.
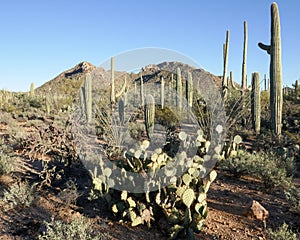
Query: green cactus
{"type": "Point", "coordinates": [114, 95]}
{"type": "Point", "coordinates": [225, 63]}
{"type": "Point", "coordinates": [265, 82]}
{"type": "Point", "coordinates": [274, 49]}
{"type": "Point", "coordinates": [255, 102]}
{"type": "Point", "coordinates": [142, 89]}
{"type": "Point", "coordinates": [112, 79]}
{"type": "Point", "coordinates": [244, 72]}
{"type": "Point", "coordinates": [31, 93]}
{"type": "Point", "coordinates": [47, 103]}
{"type": "Point", "coordinates": [86, 97]}
{"type": "Point", "coordinates": [149, 112]}
{"type": "Point", "coordinates": [179, 90]}
{"type": "Point", "coordinates": [189, 90]}
{"type": "Point", "coordinates": [121, 111]}
{"type": "Point", "coordinates": [162, 92]}
{"type": "Point", "coordinates": [296, 85]}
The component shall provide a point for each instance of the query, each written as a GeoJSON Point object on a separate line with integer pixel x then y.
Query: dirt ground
{"type": "Point", "coordinates": [228, 200]}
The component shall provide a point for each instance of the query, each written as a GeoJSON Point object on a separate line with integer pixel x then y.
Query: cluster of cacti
{"type": "Point", "coordinates": [255, 102]}
{"type": "Point", "coordinates": [182, 199]}
{"type": "Point", "coordinates": [114, 95]}
{"type": "Point", "coordinates": [149, 112]}
{"type": "Point", "coordinates": [274, 49]}
{"type": "Point", "coordinates": [86, 98]}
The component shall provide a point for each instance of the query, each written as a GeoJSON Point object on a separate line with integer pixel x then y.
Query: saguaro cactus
{"type": "Point", "coordinates": [112, 79]}
{"type": "Point", "coordinates": [86, 97]}
{"type": "Point", "coordinates": [225, 59]}
{"type": "Point", "coordinates": [47, 104]}
{"type": "Point", "coordinates": [114, 95]}
{"type": "Point", "coordinates": [274, 49]}
{"type": "Point", "coordinates": [244, 72]}
{"type": "Point", "coordinates": [179, 90]}
{"type": "Point", "coordinates": [255, 102]}
{"type": "Point", "coordinates": [189, 90]}
{"type": "Point", "coordinates": [149, 111]}
{"type": "Point", "coordinates": [142, 89]}
{"type": "Point", "coordinates": [31, 90]}
{"type": "Point", "coordinates": [121, 111]}
{"type": "Point", "coordinates": [162, 92]}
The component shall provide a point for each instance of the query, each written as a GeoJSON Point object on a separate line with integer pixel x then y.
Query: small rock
{"type": "Point", "coordinates": [257, 211]}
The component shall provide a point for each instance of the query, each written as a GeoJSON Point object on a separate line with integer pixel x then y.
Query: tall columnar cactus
{"type": "Point", "coordinates": [114, 95]}
{"type": "Point", "coordinates": [142, 89]}
{"type": "Point", "coordinates": [112, 80]}
{"type": "Point", "coordinates": [47, 103]}
{"type": "Point", "coordinates": [121, 111]}
{"type": "Point", "coordinates": [149, 112]}
{"type": "Point", "coordinates": [274, 49]}
{"type": "Point", "coordinates": [255, 102]}
{"type": "Point", "coordinates": [297, 88]}
{"type": "Point", "coordinates": [265, 81]}
{"type": "Point", "coordinates": [162, 92]}
{"type": "Point", "coordinates": [244, 72]}
{"type": "Point", "coordinates": [31, 90]}
{"type": "Point", "coordinates": [179, 90]}
{"type": "Point", "coordinates": [225, 63]}
{"type": "Point", "coordinates": [86, 97]}
{"type": "Point", "coordinates": [189, 90]}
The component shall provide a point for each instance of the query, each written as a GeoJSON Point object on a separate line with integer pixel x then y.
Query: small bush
{"type": "Point", "coordinates": [19, 195]}
{"type": "Point", "coordinates": [79, 228]}
{"type": "Point", "coordinates": [282, 233]}
{"type": "Point", "coordinates": [272, 170]}
{"type": "Point", "coordinates": [7, 163]}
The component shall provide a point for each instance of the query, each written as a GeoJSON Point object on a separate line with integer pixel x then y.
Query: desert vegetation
{"type": "Point", "coordinates": [105, 154]}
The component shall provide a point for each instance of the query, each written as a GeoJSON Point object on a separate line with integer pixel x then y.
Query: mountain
{"type": "Point", "coordinates": [69, 81]}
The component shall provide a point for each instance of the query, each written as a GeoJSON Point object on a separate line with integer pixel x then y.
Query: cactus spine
{"type": "Point", "coordinates": [162, 93]}
{"type": "Point", "coordinates": [31, 90]}
{"type": "Point", "coordinates": [225, 59]}
{"type": "Point", "coordinates": [86, 98]}
{"type": "Point", "coordinates": [178, 90]}
{"type": "Point", "coordinates": [255, 102]}
{"type": "Point", "coordinates": [149, 111]}
{"type": "Point", "coordinates": [274, 49]}
{"type": "Point", "coordinates": [189, 90]}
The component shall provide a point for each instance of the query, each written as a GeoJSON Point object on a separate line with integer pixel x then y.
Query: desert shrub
{"type": "Point", "coordinates": [69, 194]}
{"type": "Point", "coordinates": [272, 170]}
{"type": "Point", "coordinates": [282, 233]}
{"type": "Point", "coordinates": [7, 160]}
{"type": "Point", "coordinates": [78, 228]}
{"type": "Point", "coordinates": [7, 163]}
{"type": "Point", "coordinates": [19, 195]}
{"type": "Point", "coordinates": [292, 194]}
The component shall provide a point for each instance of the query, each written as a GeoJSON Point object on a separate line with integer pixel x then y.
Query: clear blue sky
{"type": "Point", "coordinates": [42, 38]}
